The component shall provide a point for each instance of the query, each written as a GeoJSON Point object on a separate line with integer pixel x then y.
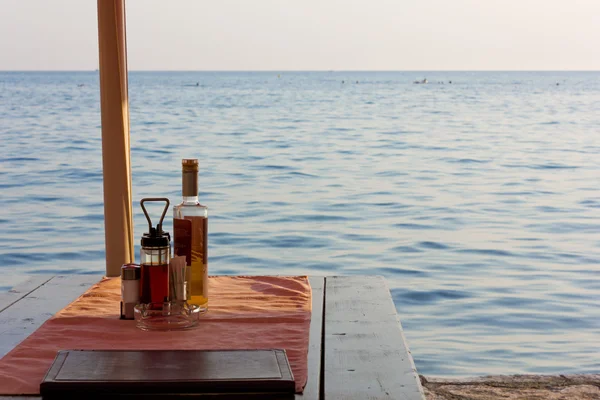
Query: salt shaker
{"type": "Point", "coordinates": [130, 289]}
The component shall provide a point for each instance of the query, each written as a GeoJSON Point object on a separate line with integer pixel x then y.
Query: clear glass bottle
{"type": "Point", "coordinates": [190, 238]}
{"type": "Point", "coordinates": [154, 261]}
{"type": "Point", "coordinates": [155, 254]}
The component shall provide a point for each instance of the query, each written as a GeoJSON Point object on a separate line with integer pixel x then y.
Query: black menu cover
{"type": "Point", "coordinates": [220, 374]}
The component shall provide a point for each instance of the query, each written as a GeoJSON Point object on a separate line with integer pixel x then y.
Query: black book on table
{"type": "Point", "coordinates": [207, 374]}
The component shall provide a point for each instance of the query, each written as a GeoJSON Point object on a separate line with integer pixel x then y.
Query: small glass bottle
{"type": "Point", "coordinates": [155, 254]}
{"type": "Point", "coordinates": [190, 235]}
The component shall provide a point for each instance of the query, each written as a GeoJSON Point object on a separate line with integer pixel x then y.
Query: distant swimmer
{"type": "Point", "coordinates": [449, 81]}
{"type": "Point", "coordinates": [80, 85]}
{"type": "Point", "coordinates": [557, 83]}
{"type": "Point", "coordinates": [356, 81]}
{"type": "Point", "coordinates": [343, 82]}
{"type": "Point", "coordinates": [197, 83]}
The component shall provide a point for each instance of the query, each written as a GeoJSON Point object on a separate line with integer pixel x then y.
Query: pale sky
{"type": "Point", "coordinates": [310, 34]}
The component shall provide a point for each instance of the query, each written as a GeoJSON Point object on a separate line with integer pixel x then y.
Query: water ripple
{"type": "Point", "coordinates": [477, 201]}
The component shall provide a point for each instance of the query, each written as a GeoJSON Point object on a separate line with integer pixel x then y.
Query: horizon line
{"type": "Point", "coordinates": [309, 70]}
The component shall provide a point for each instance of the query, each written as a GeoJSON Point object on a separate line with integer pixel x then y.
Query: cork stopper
{"type": "Point", "coordinates": [189, 164]}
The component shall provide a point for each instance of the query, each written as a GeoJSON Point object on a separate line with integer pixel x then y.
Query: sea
{"type": "Point", "coordinates": [476, 195]}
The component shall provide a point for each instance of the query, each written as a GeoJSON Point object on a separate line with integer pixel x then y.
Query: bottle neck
{"type": "Point", "coordinates": [190, 200]}
{"type": "Point", "coordinates": [189, 183]}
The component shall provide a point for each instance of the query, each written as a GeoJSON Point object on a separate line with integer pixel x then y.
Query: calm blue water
{"type": "Point", "coordinates": [479, 200]}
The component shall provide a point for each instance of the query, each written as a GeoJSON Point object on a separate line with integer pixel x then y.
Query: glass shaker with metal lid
{"type": "Point", "coordinates": [154, 258]}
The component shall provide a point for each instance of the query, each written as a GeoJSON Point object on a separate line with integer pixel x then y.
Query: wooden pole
{"type": "Point", "coordinates": [118, 223]}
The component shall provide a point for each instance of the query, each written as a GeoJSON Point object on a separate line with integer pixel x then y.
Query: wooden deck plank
{"type": "Point", "coordinates": [23, 289]}
{"type": "Point", "coordinates": [365, 355]}
{"type": "Point", "coordinates": [315, 336]}
{"type": "Point", "coordinates": [24, 316]}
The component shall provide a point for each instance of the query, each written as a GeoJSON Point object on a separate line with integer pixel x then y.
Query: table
{"type": "Point", "coordinates": [356, 346]}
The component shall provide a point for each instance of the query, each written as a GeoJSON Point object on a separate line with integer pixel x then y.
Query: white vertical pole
{"type": "Point", "coordinates": [116, 168]}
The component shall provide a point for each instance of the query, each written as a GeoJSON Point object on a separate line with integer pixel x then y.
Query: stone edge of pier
{"type": "Point", "coordinates": [513, 387]}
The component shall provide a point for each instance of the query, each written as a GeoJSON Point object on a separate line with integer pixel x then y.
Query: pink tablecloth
{"type": "Point", "coordinates": [245, 312]}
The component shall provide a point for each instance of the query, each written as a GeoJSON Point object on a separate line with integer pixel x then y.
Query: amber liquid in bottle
{"type": "Point", "coordinates": [190, 226]}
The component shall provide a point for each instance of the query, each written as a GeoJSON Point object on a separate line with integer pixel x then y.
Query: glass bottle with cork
{"type": "Point", "coordinates": [190, 226]}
